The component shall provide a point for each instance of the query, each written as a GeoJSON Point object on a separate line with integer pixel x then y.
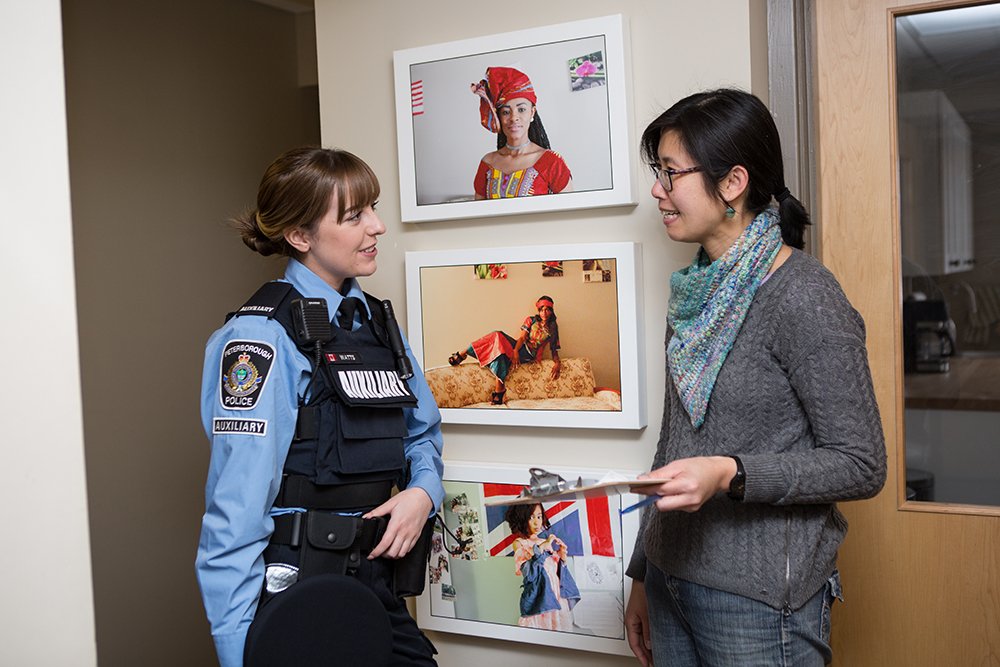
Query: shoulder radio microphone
{"type": "Point", "coordinates": [404, 369]}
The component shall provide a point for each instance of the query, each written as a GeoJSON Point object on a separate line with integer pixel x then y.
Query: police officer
{"type": "Point", "coordinates": [311, 426]}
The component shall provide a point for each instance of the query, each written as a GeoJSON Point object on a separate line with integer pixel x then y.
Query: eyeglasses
{"type": "Point", "coordinates": [665, 175]}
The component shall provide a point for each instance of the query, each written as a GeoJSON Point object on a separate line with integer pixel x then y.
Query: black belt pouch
{"type": "Point", "coordinates": [410, 571]}
{"type": "Point", "coordinates": [327, 547]}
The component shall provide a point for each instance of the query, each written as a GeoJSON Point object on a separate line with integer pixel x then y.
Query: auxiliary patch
{"type": "Point", "coordinates": [245, 426]}
{"type": "Point", "coordinates": [372, 387]}
{"type": "Point", "coordinates": [245, 366]}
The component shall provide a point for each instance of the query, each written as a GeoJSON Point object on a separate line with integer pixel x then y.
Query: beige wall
{"type": "Point", "coordinates": [47, 615]}
{"type": "Point", "coordinates": [677, 47]}
{"type": "Point", "coordinates": [457, 308]}
{"type": "Point", "coordinates": [174, 108]}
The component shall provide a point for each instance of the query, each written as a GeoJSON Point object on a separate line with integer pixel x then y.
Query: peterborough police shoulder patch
{"type": "Point", "coordinates": [245, 366]}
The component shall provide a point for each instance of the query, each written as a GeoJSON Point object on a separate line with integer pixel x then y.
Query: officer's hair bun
{"type": "Point", "coordinates": [254, 237]}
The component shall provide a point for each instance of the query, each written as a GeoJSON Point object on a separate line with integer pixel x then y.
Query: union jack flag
{"type": "Point", "coordinates": [588, 527]}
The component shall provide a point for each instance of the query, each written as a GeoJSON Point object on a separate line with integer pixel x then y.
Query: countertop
{"type": "Point", "coordinates": [972, 383]}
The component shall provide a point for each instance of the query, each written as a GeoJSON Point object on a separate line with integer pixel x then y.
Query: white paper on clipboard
{"type": "Point", "coordinates": [612, 484]}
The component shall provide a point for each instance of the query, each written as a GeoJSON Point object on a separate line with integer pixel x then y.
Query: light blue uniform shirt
{"type": "Point", "coordinates": [245, 471]}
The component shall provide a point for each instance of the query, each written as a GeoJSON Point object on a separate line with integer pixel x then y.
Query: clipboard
{"type": "Point", "coordinates": [548, 487]}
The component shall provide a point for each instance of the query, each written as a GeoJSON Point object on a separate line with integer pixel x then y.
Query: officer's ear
{"type": "Point", "coordinates": [299, 238]}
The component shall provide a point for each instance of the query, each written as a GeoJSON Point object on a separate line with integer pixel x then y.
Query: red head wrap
{"type": "Point", "coordinates": [500, 85]}
{"type": "Point", "coordinates": [544, 302]}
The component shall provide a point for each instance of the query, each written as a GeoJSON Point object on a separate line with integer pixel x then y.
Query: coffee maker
{"type": "Point", "coordinates": [928, 336]}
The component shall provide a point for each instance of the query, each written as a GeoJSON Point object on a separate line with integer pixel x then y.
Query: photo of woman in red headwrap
{"type": "Point", "coordinates": [500, 353]}
{"type": "Point", "coordinates": [523, 164]}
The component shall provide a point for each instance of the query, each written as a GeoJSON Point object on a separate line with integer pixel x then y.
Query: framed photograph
{"type": "Point", "coordinates": [554, 342]}
{"type": "Point", "coordinates": [452, 114]}
{"type": "Point", "coordinates": [550, 574]}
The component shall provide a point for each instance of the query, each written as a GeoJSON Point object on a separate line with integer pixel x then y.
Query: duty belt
{"type": "Point", "coordinates": [326, 530]}
{"type": "Point", "coordinates": [327, 542]}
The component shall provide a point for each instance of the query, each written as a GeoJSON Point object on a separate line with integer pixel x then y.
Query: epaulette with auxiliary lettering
{"type": "Point", "coordinates": [273, 300]}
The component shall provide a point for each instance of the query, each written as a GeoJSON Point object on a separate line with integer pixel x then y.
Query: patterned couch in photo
{"type": "Point", "coordinates": [529, 387]}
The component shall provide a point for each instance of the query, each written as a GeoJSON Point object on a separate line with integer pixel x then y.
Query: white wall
{"type": "Point", "coordinates": [47, 615]}
{"type": "Point", "coordinates": [677, 48]}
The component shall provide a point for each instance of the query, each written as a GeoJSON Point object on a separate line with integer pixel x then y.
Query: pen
{"type": "Point", "coordinates": [642, 503]}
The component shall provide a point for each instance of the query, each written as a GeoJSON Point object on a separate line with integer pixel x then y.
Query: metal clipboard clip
{"type": "Point", "coordinates": [545, 483]}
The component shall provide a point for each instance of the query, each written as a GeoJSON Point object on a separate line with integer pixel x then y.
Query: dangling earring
{"type": "Point", "coordinates": [730, 211]}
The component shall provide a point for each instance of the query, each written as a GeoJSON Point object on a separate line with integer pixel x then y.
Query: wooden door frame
{"type": "Point", "coordinates": [921, 587]}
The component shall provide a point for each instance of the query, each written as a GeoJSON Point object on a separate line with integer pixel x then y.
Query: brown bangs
{"type": "Point", "coordinates": [355, 184]}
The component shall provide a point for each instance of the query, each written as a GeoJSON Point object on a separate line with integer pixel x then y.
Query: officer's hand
{"type": "Point", "coordinates": [408, 511]}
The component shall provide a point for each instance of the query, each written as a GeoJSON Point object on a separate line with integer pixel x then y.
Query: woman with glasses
{"type": "Point", "coordinates": [769, 414]}
{"type": "Point", "coordinates": [523, 164]}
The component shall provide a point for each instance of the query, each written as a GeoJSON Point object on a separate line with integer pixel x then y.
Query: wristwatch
{"type": "Point", "coordinates": [738, 485]}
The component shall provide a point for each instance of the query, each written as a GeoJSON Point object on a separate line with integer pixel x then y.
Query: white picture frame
{"type": "Point", "coordinates": [477, 593]}
{"type": "Point", "coordinates": [441, 140]}
{"type": "Point", "coordinates": [599, 329]}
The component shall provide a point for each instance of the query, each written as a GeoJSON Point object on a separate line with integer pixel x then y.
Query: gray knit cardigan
{"type": "Point", "coordinates": [794, 401]}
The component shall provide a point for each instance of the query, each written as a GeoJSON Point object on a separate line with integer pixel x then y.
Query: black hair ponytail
{"type": "Point", "coordinates": [793, 219]}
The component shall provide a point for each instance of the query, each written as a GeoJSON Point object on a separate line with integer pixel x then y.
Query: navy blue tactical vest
{"type": "Point", "coordinates": [352, 426]}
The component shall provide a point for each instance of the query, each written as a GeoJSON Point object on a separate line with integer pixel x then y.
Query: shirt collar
{"type": "Point", "coordinates": [311, 285]}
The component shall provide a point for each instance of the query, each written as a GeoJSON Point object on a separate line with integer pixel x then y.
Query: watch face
{"type": "Point", "coordinates": [737, 486]}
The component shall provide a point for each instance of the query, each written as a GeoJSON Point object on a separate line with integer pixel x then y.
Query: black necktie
{"type": "Point", "coordinates": [345, 314]}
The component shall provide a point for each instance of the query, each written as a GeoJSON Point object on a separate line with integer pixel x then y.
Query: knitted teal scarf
{"type": "Point", "coordinates": [708, 303]}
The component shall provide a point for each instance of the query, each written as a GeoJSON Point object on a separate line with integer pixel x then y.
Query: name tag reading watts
{"type": "Point", "coordinates": [245, 366]}
{"type": "Point", "coordinates": [368, 386]}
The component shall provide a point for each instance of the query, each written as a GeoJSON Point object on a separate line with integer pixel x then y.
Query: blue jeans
{"type": "Point", "coordinates": [693, 625]}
